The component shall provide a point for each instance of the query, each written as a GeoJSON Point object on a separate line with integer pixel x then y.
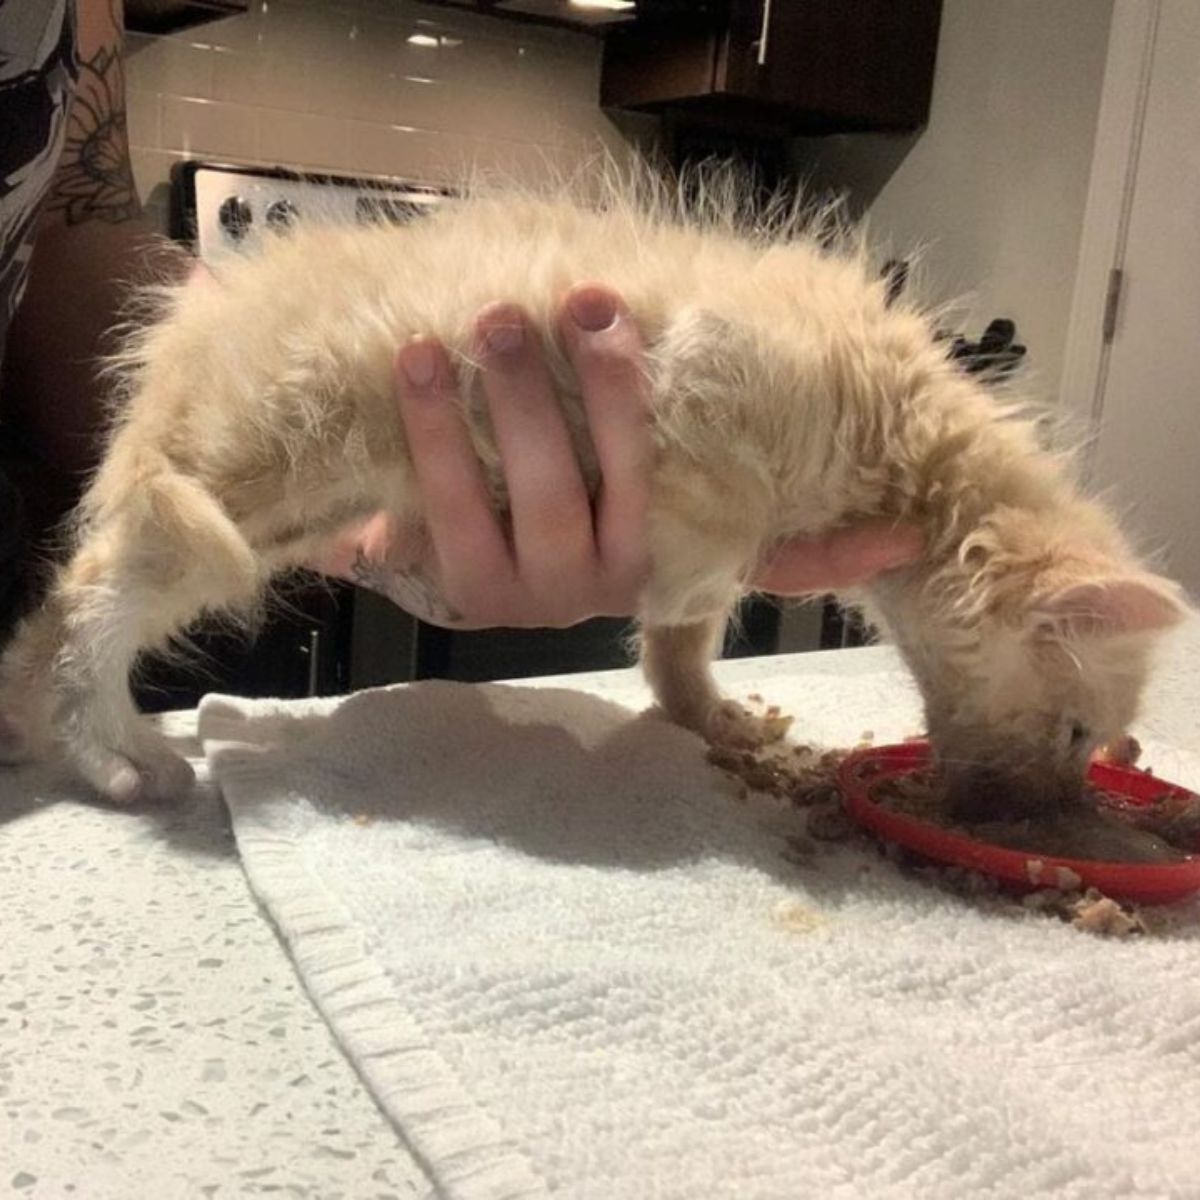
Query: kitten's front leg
{"type": "Point", "coordinates": [701, 550]}
{"type": "Point", "coordinates": [677, 662]}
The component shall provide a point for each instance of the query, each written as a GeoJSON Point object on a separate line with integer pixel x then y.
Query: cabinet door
{"type": "Point", "coordinates": [302, 649]}
{"type": "Point", "coordinates": [656, 66]}
{"type": "Point", "coordinates": [170, 16]}
{"type": "Point", "coordinates": [843, 63]}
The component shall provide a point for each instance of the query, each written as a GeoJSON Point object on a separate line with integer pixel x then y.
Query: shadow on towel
{"type": "Point", "coordinates": [555, 774]}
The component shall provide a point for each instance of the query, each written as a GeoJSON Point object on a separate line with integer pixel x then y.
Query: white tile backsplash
{"type": "Point", "coordinates": [341, 86]}
{"type": "Point", "coordinates": [209, 127]}
{"type": "Point", "coordinates": [305, 139]}
{"type": "Point", "coordinates": [150, 169]}
{"type": "Point", "coordinates": [409, 153]}
{"type": "Point", "coordinates": [143, 114]}
{"type": "Point", "coordinates": [173, 66]}
{"type": "Point", "coordinates": [262, 80]}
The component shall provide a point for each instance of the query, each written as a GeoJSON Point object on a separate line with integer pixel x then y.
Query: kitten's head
{"type": "Point", "coordinates": [1035, 650]}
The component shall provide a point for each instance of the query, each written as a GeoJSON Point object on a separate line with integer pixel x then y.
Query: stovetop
{"type": "Point", "coordinates": [222, 208]}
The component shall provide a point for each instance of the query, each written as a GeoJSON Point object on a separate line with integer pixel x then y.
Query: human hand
{"type": "Point", "coordinates": [567, 558]}
{"type": "Point", "coordinates": [848, 557]}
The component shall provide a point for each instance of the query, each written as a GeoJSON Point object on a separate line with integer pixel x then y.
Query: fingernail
{"type": "Point", "coordinates": [506, 338]}
{"type": "Point", "coordinates": [418, 363]}
{"type": "Point", "coordinates": [592, 310]}
{"type": "Point", "coordinates": [500, 329]}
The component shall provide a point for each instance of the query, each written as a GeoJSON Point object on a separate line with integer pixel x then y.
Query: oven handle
{"type": "Point", "coordinates": [764, 33]}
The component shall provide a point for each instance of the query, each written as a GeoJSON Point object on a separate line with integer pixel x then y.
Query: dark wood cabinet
{"type": "Point", "coordinates": [168, 16]}
{"type": "Point", "coordinates": [796, 66]}
{"type": "Point", "coordinates": [303, 648]}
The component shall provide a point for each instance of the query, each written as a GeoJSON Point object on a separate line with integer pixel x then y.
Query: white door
{"type": "Point", "coordinates": [1148, 447]}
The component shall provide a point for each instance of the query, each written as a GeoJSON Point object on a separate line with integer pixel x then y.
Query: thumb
{"type": "Point", "coordinates": [371, 545]}
{"type": "Point", "coordinates": [846, 558]}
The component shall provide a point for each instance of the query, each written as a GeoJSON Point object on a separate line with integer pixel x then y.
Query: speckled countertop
{"type": "Point", "coordinates": [154, 1040]}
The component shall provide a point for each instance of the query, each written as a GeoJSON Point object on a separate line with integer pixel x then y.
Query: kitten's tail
{"type": "Point", "coordinates": [171, 518]}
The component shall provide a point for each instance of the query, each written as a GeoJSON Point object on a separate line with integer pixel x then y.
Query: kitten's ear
{"type": "Point", "coordinates": [1107, 607]}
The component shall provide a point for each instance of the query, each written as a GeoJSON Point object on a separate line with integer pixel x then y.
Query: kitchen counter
{"type": "Point", "coordinates": [154, 1039]}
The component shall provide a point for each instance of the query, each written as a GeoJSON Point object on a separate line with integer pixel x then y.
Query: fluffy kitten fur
{"type": "Point", "coordinates": [788, 398]}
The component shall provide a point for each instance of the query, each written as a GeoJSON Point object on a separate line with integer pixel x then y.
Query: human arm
{"type": "Point", "coordinates": [91, 241]}
{"type": "Point", "coordinates": [846, 558]}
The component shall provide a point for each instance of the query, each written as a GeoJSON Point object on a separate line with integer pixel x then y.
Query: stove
{"type": "Point", "coordinates": [222, 209]}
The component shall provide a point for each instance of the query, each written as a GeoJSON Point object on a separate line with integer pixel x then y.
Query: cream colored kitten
{"type": "Point", "coordinates": [788, 398]}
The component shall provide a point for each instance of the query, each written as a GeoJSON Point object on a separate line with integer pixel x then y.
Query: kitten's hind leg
{"type": "Point", "coordinates": [63, 686]}
{"type": "Point", "coordinates": [143, 571]}
{"type": "Point", "coordinates": [107, 618]}
{"type": "Point", "coordinates": [26, 701]}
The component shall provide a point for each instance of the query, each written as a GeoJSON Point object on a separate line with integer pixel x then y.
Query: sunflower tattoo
{"type": "Point", "coordinates": [95, 180]}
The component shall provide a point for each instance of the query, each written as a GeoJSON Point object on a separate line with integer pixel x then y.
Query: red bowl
{"type": "Point", "coordinates": [1156, 883]}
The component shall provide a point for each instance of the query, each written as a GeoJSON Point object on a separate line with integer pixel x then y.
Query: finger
{"type": "Point", "coordinates": [845, 558]}
{"type": "Point", "coordinates": [551, 513]}
{"type": "Point", "coordinates": [606, 351]}
{"type": "Point", "coordinates": [381, 540]}
{"type": "Point", "coordinates": [468, 541]}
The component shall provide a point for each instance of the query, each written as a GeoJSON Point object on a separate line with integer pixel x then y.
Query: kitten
{"type": "Point", "coordinates": [788, 397]}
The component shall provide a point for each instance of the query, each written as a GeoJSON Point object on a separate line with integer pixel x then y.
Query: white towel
{"type": "Point", "coordinates": [568, 962]}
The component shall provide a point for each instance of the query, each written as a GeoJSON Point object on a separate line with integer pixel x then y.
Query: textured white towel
{"type": "Point", "coordinates": [568, 962]}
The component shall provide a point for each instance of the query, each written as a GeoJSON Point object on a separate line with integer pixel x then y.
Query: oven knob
{"type": "Point", "coordinates": [280, 214]}
{"type": "Point", "coordinates": [235, 217]}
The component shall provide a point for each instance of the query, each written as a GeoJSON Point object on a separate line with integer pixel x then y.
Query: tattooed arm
{"type": "Point", "coordinates": [91, 240]}
{"type": "Point", "coordinates": [95, 180]}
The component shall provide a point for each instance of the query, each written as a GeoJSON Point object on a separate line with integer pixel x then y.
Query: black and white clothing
{"type": "Point", "coordinates": [39, 69]}
{"type": "Point", "coordinates": [38, 72]}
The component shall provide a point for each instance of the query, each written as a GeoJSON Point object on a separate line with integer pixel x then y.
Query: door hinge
{"type": "Point", "coordinates": [1112, 302]}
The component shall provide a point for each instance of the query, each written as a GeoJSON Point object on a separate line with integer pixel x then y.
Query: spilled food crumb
{"type": "Point", "coordinates": [801, 774]}
{"type": "Point", "coordinates": [1094, 913]}
{"type": "Point", "coordinates": [796, 918]}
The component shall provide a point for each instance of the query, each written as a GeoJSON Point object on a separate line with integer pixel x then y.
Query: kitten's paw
{"type": "Point", "coordinates": [732, 726]}
{"type": "Point", "coordinates": [147, 772]}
